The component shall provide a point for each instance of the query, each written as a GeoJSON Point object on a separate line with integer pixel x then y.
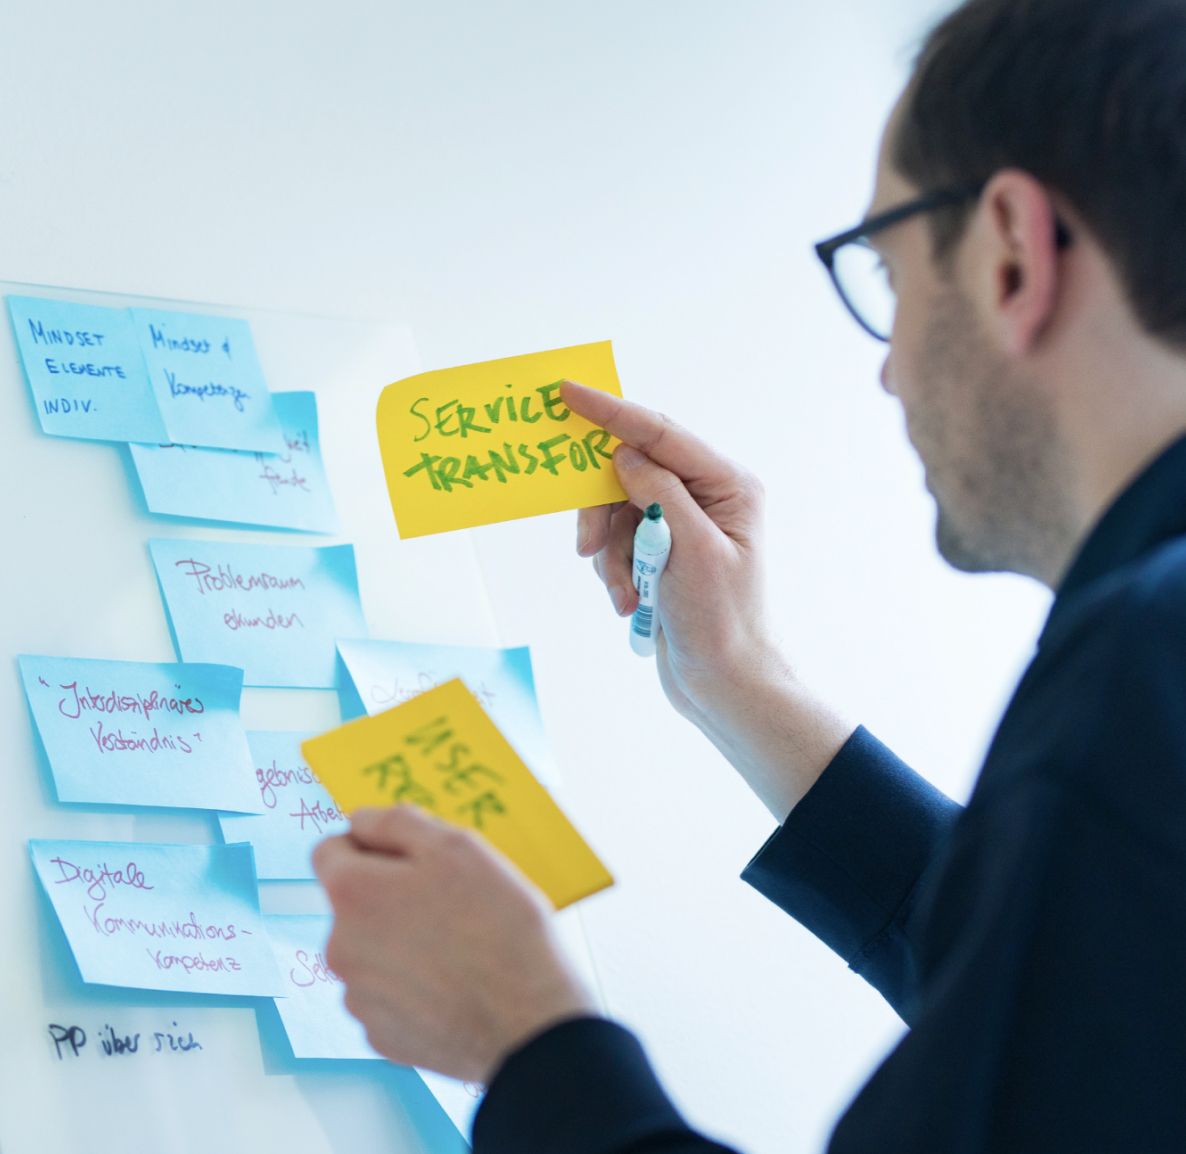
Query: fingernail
{"type": "Point", "coordinates": [628, 457]}
{"type": "Point", "coordinates": [618, 596]}
{"type": "Point", "coordinates": [582, 537]}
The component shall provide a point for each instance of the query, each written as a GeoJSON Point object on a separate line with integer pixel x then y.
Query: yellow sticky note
{"type": "Point", "coordinates": [494, 442]}
{"type": "Point", "coordinates": [441, 751]}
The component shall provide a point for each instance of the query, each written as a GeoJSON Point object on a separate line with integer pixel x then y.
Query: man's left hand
{"type": "Point", "coordinates": [446, 949]}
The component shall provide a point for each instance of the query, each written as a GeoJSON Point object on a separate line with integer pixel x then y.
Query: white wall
{"type": "Point", "coordinates": [523, 175]}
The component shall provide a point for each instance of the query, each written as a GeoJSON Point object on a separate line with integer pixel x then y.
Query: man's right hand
{"type": "Point", "coordinates": [716, 661]}
{"type": "Point", "coordinates": [712, 614]}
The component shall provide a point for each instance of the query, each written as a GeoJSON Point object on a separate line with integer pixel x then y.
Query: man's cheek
{"type": "Point", "coordinates": [900, 375]}
{"type": "Point", "coordinates": [912, 360]}
{"type": "Point", "coordinates": [899, 372]}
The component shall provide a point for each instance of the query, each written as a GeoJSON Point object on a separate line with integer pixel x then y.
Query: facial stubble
{"type": "Point", "coordinates": [988, 438]}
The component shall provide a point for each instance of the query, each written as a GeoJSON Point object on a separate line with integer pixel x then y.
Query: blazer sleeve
{"type": "Point", "coordinates": [582, 1087]}
{"type": "Point", "coordinates": [851, 860]}
{"type": "Point", "coordinates": [847, 863]}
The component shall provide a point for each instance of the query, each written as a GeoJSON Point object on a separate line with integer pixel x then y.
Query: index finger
{"type": "Point", "coordinates": [688, 457]}
{"type": "Point", "coordinates": [401, 830]}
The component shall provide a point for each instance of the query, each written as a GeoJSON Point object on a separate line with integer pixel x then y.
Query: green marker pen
{"type": "Point", "coordinates": [652, 546]}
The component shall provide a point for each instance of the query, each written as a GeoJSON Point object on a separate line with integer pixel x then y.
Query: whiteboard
{"type": "Point", "coordinates": [77, 581]}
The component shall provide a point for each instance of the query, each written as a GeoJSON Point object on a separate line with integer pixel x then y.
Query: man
{"type": "Point", "coordinates": [1030, 211]}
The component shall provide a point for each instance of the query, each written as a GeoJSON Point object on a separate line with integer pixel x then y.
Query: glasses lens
{"type": "Point", "coordinates": [865, 285]}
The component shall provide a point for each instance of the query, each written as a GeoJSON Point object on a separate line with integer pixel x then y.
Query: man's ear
{"type": "Point", "coordinates": [1012, 264]}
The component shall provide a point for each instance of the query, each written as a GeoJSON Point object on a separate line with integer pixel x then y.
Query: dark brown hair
{"type": "Point", "coordinates": [1089, 97]}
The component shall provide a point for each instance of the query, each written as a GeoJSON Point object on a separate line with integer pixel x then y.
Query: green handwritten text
{"type": "Point", "coordinates": [453, 419]}
{"type": "Point", "coordinates": [444, 473]}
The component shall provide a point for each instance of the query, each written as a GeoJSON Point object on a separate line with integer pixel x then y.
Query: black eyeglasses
{"type": "Point", "coordinates": [857, 271]}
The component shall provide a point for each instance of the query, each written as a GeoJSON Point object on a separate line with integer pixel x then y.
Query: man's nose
{"type": "Point", "coordinates": [887, 373]}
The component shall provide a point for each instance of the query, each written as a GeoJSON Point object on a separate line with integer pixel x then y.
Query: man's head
{"type": "Point", "coordinates": [1039, 347]}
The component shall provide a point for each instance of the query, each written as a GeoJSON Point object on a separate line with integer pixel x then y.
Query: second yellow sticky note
{"type": "Point", "coordinates": [442, 752]}
{"type": "Point", "coordinates": [494, 441]}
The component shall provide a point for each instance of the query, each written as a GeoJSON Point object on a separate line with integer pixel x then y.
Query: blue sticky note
{"type": "Point", "coordinates": [315, 1017]}
{"type": "Point", "coordinates": [288, 490]}
{"type": "Point", "coordinates": [380, 674]}
{"type": "Point", "coordinates": [460, 1100]}
{"type": "Point", "coordinates": [133, 733]}
{"type": "Point", "coordinates": [312, 1007]}
{"type": "Point", "coordinates": [272, 610]}
{"type": "Point", "coordinates": [160, 917]}
{"type": "Point", "coordinates": [84, 367]}
{"type": "Point", "coordinates": [298, 810]}
{"type": "Point", "coordinates": [208, 382]}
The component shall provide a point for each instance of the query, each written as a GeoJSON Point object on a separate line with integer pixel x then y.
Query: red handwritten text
{"type": "Point", "coordinates": [117, 743]}
{"type": "Point", "coordinates": [114, 702]}
{"type": "Point", "coordinates": [98, 880]}
{"type": "Point", "coordinates": [396, 693]}
{"type": "Point", "coordinates": [316, 972]}
{"type": "Point", "coordinates": [319, 815]}
{"type": "Point", "coordinates": [298, 444]}
{"type": "Point", "coordinates": [225, 579]}
{"type": "Point", "coordinates": [235, 620]}
{"type": "Point", "coordinates": [108, 927]}
{"type": "Point", "coordinates": [192, 962]}
{"type": "Point", "coordinates": [278, 481]}
{"type": "Point", "coordinates": [272, 779]}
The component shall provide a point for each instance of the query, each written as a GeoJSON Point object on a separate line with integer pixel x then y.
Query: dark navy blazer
{"type": "Point", "coordinates": [1034, 942]}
